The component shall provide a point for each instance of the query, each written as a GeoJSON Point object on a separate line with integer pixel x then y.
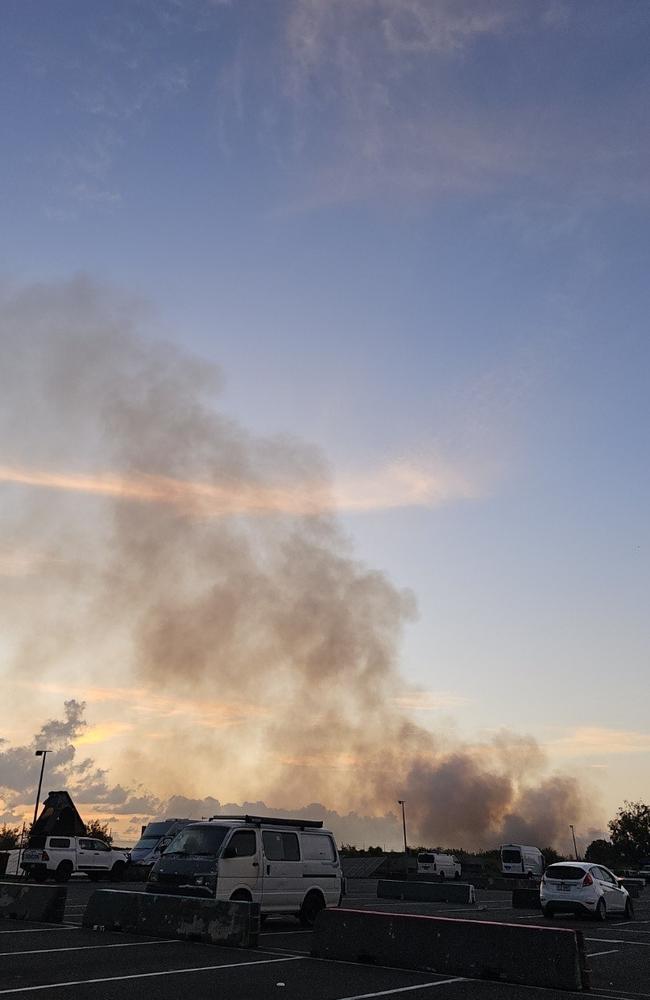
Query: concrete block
{"type": "Point", "coordinates": [526, 899]}
{"type": "Point", "coordinates": [234, 924]}
{"type": "Point", "coordinates": [436, 892]}
{"type": "Point", "coordinates": [529, 956]}
{"type": "Point", "coordinates": [22, 901]}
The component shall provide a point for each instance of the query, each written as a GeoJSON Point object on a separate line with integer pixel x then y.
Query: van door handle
{"type": "Point", "coordinates": [255, 864]}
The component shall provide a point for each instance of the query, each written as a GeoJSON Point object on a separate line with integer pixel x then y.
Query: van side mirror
{"type": "Point", "coordinates": [229, 852]}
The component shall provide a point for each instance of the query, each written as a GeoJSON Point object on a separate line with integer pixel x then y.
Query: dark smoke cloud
{"type": "Point", "coordinates": [264, 605]}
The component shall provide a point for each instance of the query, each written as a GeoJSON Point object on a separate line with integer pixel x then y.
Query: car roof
{"type": "Point", "coordinates": [572, 864]}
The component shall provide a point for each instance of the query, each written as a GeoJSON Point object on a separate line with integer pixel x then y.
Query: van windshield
{"type": "Point", "coordinates": [511, 856]}
{"type": "Point", "coordinates": [146, 843]}
{"type": "Point", "coordinates": [206, 840]}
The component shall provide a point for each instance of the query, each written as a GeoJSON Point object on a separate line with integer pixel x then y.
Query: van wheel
{"type": "Point", "coordinates": [311, 907]}
{"type": "Point", "coordinates": [64, 871]}
{"type": "Point", "coordinates": [601, 910]}
{"type": "Point", "coordinates": [441, 876]}
{"type": "Point", "coordinates": [241, 896]}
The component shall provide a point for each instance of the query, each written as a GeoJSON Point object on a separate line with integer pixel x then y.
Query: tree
{"type": "Point", "coordinates": [9, 837]}
{"type": "Point", "coordinates": [551, 856]}
{"type": "Point", "coordinates": [630, 831]}
{"type": "Point", "coordinates": [100, 830]}
{"type": "Point", "coordinates": [602, 852]}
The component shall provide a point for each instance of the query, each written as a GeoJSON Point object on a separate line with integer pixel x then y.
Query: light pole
{"type": "Point", "coordinates": [43, 754]}
{"type": "Point", "coordinates": [573, 834]}
{"type": "Point", "coordinates": [402, 803]}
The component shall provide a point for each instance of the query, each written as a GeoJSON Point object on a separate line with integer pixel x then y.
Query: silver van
{"type": "Point", "coordinates": [286, 865]}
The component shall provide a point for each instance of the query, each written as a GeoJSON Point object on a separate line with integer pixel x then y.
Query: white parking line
{"type": "Point", "coordinates": [41, 930]}
{"type": "Point", "coordinates": [144, 975]}
{"type": "Point", "coordinates": [595, 954]}
{"type": "Point", "coordinates": [639, 944]}
{"type": "Point", "coordinates": [88, 947]}
{"type": "Point", "coordinates": [404, 989]}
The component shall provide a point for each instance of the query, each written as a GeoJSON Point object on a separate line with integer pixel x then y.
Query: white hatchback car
{"type": "Point", "coordinates": [580, 887]}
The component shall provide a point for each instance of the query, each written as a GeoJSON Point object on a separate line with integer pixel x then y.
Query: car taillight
{"type": "Point", "coordinates": [587, 880]}
{"type": "Point", "coordinates": [46, 856]}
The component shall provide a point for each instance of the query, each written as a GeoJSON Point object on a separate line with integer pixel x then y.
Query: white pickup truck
{"type": "Point", "coordinates": [60, 857]}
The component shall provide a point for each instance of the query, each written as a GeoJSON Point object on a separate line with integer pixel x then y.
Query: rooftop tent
{"type": "Point", "coordinates": [59, 818]}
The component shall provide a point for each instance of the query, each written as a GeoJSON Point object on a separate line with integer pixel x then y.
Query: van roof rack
{"type": "Point", "coordinates": [301, 824]}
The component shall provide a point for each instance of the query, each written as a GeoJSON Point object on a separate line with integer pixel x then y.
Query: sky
{"type": "Point", "coordinates": [324, 410]}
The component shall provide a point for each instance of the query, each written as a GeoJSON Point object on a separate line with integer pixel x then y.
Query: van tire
{"type": "Point", "coordinates": [312, 904]}
{"type": "Point", "coordinates": [241, 896]}
{"type": "Point", "coordinates": [64, 871]}
{"type": "Point", "coordinates": [441, 876]}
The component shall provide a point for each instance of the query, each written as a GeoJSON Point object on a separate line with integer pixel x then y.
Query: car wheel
{"type": "Point", "coordinates": [441, 876]}
{"type": "Point", "coordinates": [629, 909]}
{"type": "Point", "coordinates": [601, 911]}
{"type": "Point", "coordinates": [547, 912]}
{"type": "Point", "coordinates": [117, 871]}
{"type": "Point", "coordinates": [64, 871]}
{"type": "Point", "coordinates": [311, 907]}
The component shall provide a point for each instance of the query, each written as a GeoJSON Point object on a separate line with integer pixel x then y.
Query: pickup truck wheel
{"type": "Point", "coordinates": [64, 871]}
{"type": "Point", "coordinates": [117, 871]}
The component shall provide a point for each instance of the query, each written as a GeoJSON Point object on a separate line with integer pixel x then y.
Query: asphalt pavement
{"type": "Point", "coordinates": [54, 961]}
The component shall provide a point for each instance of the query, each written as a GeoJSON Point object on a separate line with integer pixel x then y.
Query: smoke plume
{"type": "Point", "coordinates": [159, 546]}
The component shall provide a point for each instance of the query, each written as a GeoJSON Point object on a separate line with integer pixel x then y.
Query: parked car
{"type": "Point", "coordinates": [59, 857]}
{"type": "Point", "coordinates": [438, 865]}
{"type": "Point", "coordinates": [580, 887]}
{"type": "Point", "coordinates": [285, 865]}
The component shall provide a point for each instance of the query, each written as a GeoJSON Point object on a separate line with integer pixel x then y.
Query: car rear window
{"type": "Point", "coordinates": [565, 873]}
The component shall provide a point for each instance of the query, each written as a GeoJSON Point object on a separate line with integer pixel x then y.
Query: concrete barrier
{"type": "Point", "coordinates": [235, 924]}
{"type": "Point", "coordinates": [529, 956]}
{"type": "Point", "coordinates": [22, 901]}
{"type": "Point", "coordinates": [526, 899]}
{"type": "Point", "coordinates": [437, 892]}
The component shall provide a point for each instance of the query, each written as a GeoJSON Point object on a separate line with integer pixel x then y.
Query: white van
{"type": "Point", "coordinates": [285, 865]}
{"type": "Point", "coordinates": [516, 859]}
{"type": "Point", "coordinates": [439, 865]}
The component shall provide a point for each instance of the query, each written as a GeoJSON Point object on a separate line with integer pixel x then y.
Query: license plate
{"type": "Point", "coordinates": [32, 856]}
{"type": "Point", "coordinates": [563, 887]}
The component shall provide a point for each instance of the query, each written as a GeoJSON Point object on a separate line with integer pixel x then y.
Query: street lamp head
{"type": "Point", "coordinates": [41, 753]}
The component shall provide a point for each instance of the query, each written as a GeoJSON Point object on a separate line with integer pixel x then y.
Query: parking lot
{"type": "Point", "coordinates": [71, 961]}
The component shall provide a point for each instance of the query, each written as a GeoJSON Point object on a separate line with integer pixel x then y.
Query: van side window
{"type": "Point", "coordinates": [272, 845]}
{"type": "Point", "coordinates": [317, 847]}
{"type": "Point", "coordinates": [290, 847]}
{"type": "Point", "coordinates": [244, 843]}
{"type": "Point", "coordinates": [280, 846]}
{"type": "Point", "coordinates": [59, 842]}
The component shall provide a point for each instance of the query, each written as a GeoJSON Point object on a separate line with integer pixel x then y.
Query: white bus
{"type": "Point", "coordinates": [517, 859]}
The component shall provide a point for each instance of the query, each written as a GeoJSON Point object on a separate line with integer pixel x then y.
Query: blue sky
{"type": "Point", "coordinates": [415, 234]}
